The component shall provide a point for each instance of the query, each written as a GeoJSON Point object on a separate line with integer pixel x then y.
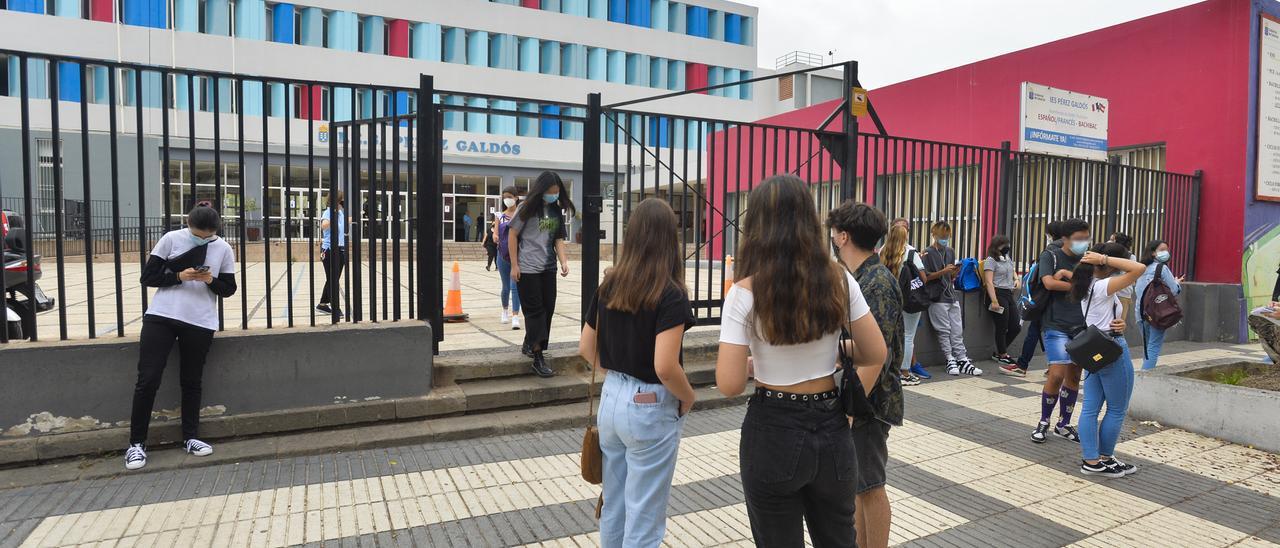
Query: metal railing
{"type": "Point", "coordinates": [798, 57]}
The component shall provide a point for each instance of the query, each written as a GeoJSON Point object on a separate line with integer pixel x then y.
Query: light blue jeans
{"type": "Point", "coordinates": [509, 293]}
{"type": "Point", "coordinates": [1112, 384]}
{"type": "Point", "coordinates": [1153, 339]}
{"type": "Point", "coordinates": [910, 322]}
{"type": "Point", "coordinates": [639, 442]}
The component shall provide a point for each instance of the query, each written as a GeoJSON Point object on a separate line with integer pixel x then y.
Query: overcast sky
{"type": "Point", "coordinates": [895, 40]}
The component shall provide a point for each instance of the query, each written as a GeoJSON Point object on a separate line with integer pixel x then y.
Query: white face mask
{"type": "Point", "coordinates": [509, 201]}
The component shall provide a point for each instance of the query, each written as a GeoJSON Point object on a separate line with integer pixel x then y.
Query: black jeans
{"type": "Point", "coordinates": [332, 274]}
{"type": "Point", "coordinates": [1029, 344]}
{"type": "Point", "coordinates": [538, 301]}
{"type": "Point", "coordinates": [1007, 325]}
{"type": "Point", "coordinates": [158, 334]}
{"type": "Point", "coordinates": [798, 467]}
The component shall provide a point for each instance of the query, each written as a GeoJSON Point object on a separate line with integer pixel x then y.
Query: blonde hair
{"type": "Point", "coordinates": [895, 249]}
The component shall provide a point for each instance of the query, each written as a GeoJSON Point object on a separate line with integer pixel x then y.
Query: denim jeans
{"type": "Point", "coordinates": [911, 322]}
{"type": "Point", "coordinates": [1029, 343]}
{"type": "Point", "coordinates": [639, 442]}
{"type": "Point", "coordinates": [1153, 341]}
{"type": "Point", "coordinates": [799, 467]}
{"type": "Point", "coordinates": [509, 293]}
{"type": "Point", "coordinates": [1055, 346]}
{"type": "Point", "coordinates": [1112, 384]}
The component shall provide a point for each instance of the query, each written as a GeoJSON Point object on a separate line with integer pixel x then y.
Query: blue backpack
{"type": "Point", "coordinates": [1034, 297]}
{"type": "Point", "coordinates": [967, 279]}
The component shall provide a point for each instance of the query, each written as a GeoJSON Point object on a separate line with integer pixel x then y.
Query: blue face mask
{"type": "Point", "coordinates": [944, 241]}
{"type": "Point", "coordinates": [1079, 247]}
{"type": "Point", "coordinates": [1162, 256]}
{"type": "Point", "coordinates": [550, 198]}
{"type": "Point", "coordinates": [198, 241]}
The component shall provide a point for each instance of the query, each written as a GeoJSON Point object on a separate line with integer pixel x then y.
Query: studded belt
{"type": "Point", "coordinates": [800, 398]}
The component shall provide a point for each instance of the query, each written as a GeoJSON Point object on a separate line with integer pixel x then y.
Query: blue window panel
{"type": "Point", "coordinates": [597, 63]}
{"type": "Point", "coordinates": [715, 25]}
{"type": "Point", "coordinates": [549, 128]}
{"type": "Point", "coordinates": [252, 97]}
{"type": "Point", "coordinates": [675, 75]}
{"type": "Point", "coordinates": [733, 28]}
{"type": "Point", "coordinates": [68, 81]}
{"type": "Point", "coordinates": [676, 18]}
{"type": "Point", "coordinates": [375, 29]}
{"type": "Point", "coordinates": [477, 122]}
{"type": "Point", "coordinates": [618, 11]}
{"type": "Point", "coordinates": [186, 15]}
{"type": "Point", "coordinates": [659, 132]}
{"type": "Point", "coordinates": [282, 24]}
{"type": "Point", "coordinates": [637, 69]}
{"type": "Point", "coordinates": [503, 125]}
{"type": "Point", "coordinates": [277, 100]}
{"type": "Point", "coordinates": [142, 13]}
{"type": "Point", "coordinates": [455, 45]}
{"type": "Point", "coordinates": [368, 106]}
{"type": "Point", "coordinates": [748, 31]}
{"type": "Point", "coordinates": [598, 9]}
{"type": "Point", "coordinates": [744, 91]}
{"type": "Point", "coordinates": [530, 54]}
{"type": "Point", "coordinates": [251, 19]}
{"type": "Point", "coordinates": [341, 104]}
{"type": "Point", "coordinates": [150, 89]}
{"type": "Point", "coordinates": [550, 63]}
{"type": "Point", "coordinates": [574, 7]}
{"type": "Point", "coordinates": [478, 48]}
{"type": "Point", "coordinates": [401, 106]}
{"type": "Point", "coordinates": [697, 21]}
{"type": "Point", "coordinates": [572, 131]}
{"type": "Point", "coordinates": [311, 32]}
{"type": "Point", "coordinates": [225, 94]}
{"type": "Point", "coordinates": [659, 12]}
{"type": "Point", "coordinates": [527, 126]}
{"type": "Point", "coordinates": [573, 61]}
{"type": "Point", "coordinates": [732, 75]}
{"type": "Point", "coordinates": [29, 6]}
{"type": "Point", "coordinates": [658, 73]}
{"type": "Point", "coordinates": [617, 67]}
{"type": "Point", "coordinates": [453, 120]}
{"type": "Point", "coordinates": [551, 5]}
{"type": "Point", "coordinates": [67, 8]}
{"type": "Point", "coordinates": [715, 76]}
{"type": "Point", "coordinates": [216, 19]}
{"type": "Point", "coordinates": [426, 43]}
{"type": "Point", "coordinates": [100, 85]}
{"type": "Point", "coordinates": [504, 52]}
{"type": "Point", "coordinates": [344, 32]}
{"type": "Point", "coordinates": [638, 13]}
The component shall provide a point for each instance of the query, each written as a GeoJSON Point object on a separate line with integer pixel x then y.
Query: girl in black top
{"type": "Point", "coordinates": [641, 311]}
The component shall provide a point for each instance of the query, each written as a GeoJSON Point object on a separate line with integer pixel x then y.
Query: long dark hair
{"type": "Point", "coordinates": [535, 206]}
{"type": "Point", "coordinates": [997, 243]}
{"type": "Point", "coordinates": [1085, 274]}
{"type": "Point", "coordinates": [798, 289]}
{"type": "Point", "coordinates": [650, 261]}
{"type": "Point", "coordinates": [1149, 252]}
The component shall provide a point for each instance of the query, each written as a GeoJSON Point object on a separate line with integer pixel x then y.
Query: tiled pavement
{"type": "Point", "coordinates": [962, 473]}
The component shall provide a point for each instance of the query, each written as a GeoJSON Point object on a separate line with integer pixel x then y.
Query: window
{"type": "Point", "coordinates": [1143, 156]}
{"type": "Point", "coordinates": [46, 175]}
{"type": "Point", "coordinates": [360, 34]}
{"type": "Point", "coordinates": [181, 200]}
{"type": "Point", "coordinates": [297, 25]}
{"type": "Point", "coordinates": [324, 25]}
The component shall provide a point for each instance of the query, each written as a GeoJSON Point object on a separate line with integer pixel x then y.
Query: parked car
{"type": "Point", "coordinates": [23, 298]}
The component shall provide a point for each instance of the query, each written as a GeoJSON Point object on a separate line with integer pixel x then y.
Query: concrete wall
{"type": "Point", "coordinates": [1218, 410]}
{"type": "Point", "coordinates": [75, 386]}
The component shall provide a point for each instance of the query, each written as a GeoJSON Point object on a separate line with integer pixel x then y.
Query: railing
{"type": "Point", "coordinates": [798, 57]}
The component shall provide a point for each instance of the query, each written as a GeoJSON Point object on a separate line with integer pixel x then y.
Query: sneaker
{"type": "Point", "coordinates": [966, 367]}
{"type": "Point", "coordinates": [515, 323]}
{"type": "Point", "coordinates": [505, 317]}
{"type": "Point", "coordinates": [1100, 469]}
{"type": "Point", "coordinates": [324, 307]}
{"type": "Point", "coordinates": [540, 367]}
{"type": "Point", "coordinates": [1067, 432]}
{"type": "Point", "coordinates": [135, 457]}
{"type": "Point", "coordinates": [1039, 435]}
{"type": "Point", "coordinates": [1013, 370]}
{"type": "Point", "coordinates": [919, 371]}
{"type": "Point", "coordinates": [953, 368]}
{"type": "Point", "coordinates": [1007, 360]}
{"type": "Point", "coordinates": [198, 448]}
{"type": "Point", "coordinates": [1121, 466]}
{"type": "Point", "coordinates": [909, 380]}
{"type": "Point", "coordinates": [524, 349]}
{"type": "Point", "coordinates": [997, 358]}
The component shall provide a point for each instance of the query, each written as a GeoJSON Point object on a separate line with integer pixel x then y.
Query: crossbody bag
{"type": "Point", "coordinates": [1092, 348]}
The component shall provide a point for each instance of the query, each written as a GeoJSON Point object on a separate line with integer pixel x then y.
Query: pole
{"type": "Point", "coordinates": [1194, 237]}
{"type": "Point", "coordinates": [591, 201]}
{"type": "Point", "coordinates": [849, 169]}
{"type": "Point", "coordinates": [429, 252]}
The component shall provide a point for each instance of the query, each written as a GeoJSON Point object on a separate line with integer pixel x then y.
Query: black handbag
{"type": "Point", "coordinates": [1092, 348]}
{"type": "Point", "coordinates": [853, 395]}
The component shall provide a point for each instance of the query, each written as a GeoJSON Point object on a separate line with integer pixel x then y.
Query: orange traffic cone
{"type": "Point", "coordinates": [728, 275]}
{"type": "Point", "coordinates": [453, 304]}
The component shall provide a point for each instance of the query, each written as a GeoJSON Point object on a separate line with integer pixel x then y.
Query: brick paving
{"type": "Point", "coordinates": [962, 473]}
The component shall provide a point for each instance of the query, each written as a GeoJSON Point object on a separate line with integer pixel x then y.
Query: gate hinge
{"type": "Point", "coordinates": [593, 204]}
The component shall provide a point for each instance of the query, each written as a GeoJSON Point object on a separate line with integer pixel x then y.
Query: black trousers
{"type": "Point", "coordinates": [1007, 325]}
{"type": "Point", "coordinates": [332, 274]}
{"type": "Point", "coordinates": [538, 302]}
{"type": "Point", "coordinates": [158, 334]}
{"type": "Point", "coordinates": [799, 467]}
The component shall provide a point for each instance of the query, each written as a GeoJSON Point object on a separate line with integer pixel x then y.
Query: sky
{"type": "Point", "coordinates": [896, 40]}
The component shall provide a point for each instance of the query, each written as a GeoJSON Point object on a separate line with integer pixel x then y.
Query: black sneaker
{"type": "Point", "coordinates": [1121, 466]}
{"type": "Point", "coordinates": [528, 352]}
{"type": "Point", "coordinates": [540, 367]}
{"type": "Point", "coordinates": [324, 307]}
{"type": "Point", "coordinates": [1101, 469]}
{"type": "Point", "coordinates": [1067, 432]}
{"type": "Point", "coordinates": [1039, 436]}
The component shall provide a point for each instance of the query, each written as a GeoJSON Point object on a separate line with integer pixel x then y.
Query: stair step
{"type": "Point", "coordinates": [493, 394]}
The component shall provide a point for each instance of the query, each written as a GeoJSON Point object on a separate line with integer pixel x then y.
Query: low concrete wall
{"type": "Point", "coordinates": [1212, 313]}
{"type": "Point", "coordinates": [52, 388]}
{"type": "Point", "coordinates": [1234, 413]}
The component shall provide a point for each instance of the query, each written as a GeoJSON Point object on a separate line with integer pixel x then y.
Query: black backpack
{"type": "Point", "coordinates": [1160, 306]}
{"type": "Point", "coordinates": [915, 298]}
{"type": "Point", "coordinates": [1035, 296]}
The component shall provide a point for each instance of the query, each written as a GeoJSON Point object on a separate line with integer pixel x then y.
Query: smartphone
{"type": "Point", "coordinates": [202, 268]}
{"type": "Point", "coordinates": [645, 397]}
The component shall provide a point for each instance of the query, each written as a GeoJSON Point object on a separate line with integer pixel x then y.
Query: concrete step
{"type": "Point", "coordinates": [487, 395]}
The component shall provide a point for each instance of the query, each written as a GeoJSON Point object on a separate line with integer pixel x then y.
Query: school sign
{"type": "Point", "coordinates": [1061, 122]}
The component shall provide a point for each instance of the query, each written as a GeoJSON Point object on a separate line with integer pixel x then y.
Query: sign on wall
{"type": "Point", "coordinates": [1064, 123]}
{"type": "Point", "coordinates": [1267, 185]}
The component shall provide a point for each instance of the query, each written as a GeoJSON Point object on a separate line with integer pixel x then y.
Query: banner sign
{"type": "Point", "coordinates": [1064, 123]}
{"type": "Point", "coordinates": [1267, 183]}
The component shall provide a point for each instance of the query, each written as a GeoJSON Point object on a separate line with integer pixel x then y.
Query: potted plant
{"type": "Point", "coordinates": [251, 233]}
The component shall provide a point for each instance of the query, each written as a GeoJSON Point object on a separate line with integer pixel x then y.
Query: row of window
{"type": "Point", "coordinates": [655, 14]}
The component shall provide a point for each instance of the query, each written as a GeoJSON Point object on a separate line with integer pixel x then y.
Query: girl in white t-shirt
{"type": "Point", "coordinates": [1097, 287]}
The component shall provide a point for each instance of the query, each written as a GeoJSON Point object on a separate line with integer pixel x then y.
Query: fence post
{"type": "Point", "coordinates": [430, 258]}
{"type": "Point", "coordinates": [849, 169]}
{"type": "Point", "coordinates": [1113, 197]}
{"type": "Point", "coordinates": [1006, 191]}
{"type": "Point", "coordinates": [592, 203]}
{"type": "Point", "coordinates": [1193, 238]}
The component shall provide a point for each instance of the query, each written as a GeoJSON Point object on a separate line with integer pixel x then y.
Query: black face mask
{"type": "Point", "coordinates": [1006, 250]}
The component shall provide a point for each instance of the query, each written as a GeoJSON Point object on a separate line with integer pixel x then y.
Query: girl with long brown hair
{"type": "Point", "coordinates": [788, 308]}
{"type": "Point", "coordinates": [635, 328]}
{"type": "Point", "coordinates": [895, 254]}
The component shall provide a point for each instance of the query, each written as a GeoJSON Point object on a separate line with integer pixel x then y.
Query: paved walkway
{"type": "Point", "coordinates": [962, 473]}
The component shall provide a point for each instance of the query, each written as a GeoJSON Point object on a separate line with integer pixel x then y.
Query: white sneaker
{"type": "Point", "coordinates": [953, 368]}
{"type": "Point", "coordinates": [135, 457]}
{"type": "Point", "coordinates": [966, 367]}
{"type": "Point", "coordinates": [198, 448]}
{"type": "Point", "coordinates": [515, 322]}
{"type": "Point", "coordinates": [506, 316]}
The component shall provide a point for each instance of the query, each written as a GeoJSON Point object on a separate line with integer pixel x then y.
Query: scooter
{"type": "Point", "coordinates": [23, 297]}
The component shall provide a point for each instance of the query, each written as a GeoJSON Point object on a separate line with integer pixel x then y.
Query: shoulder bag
{"type": "Point", "coordinates": [592, 459]}
{"type": "Point", "coordinates": [853, 396]}
{"type": "Point", "coordinates": [1092, 348]}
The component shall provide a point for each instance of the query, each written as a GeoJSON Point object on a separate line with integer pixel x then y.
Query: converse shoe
{"type": "Point", "coordinates": [953, 368]}
{"type": "Point", "coordinates": [198, 448]}
{"type": "Point", "coordinates": [1100, 469]}
{"type": "Point", "coordinates": [1067, 432]}
{"type": "Point", "coordinates": [919, 371]}
{"type": "Point", "coordinates": [1013, 370]}
{"type": "Point", "coordinates": [515, 323]}
{"type": "Point", "coordinates": [1039, 436]}
{"type": "Point", "coordinates": [966, 367]}
{"type": "Point", "coordinates": [135, 457]}
{"type": "Point", "coordinates": [505, 317]}
{"type": "Point", "coordinates": [1121, 466]}
{"type": "Point", "coordinates": [909, 380]}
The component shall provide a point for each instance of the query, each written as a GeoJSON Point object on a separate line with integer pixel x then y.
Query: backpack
{"type": "Point", "coordinates": [503, 229]}
{"type": "Point", "coordinates": [914, 296]}
{"type": "Point", "coordinates": [968, 279]}
{"type": "Point", "coordinates": [1159, 305]}
{"type": "Point", "coordinates": [1035, 297]}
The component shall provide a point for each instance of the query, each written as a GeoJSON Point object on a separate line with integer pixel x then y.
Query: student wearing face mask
{"type": "Point", "coordinates": [1061, 319]}
{"type": "Point", "coordinates": [1032, 339]}
{"type": "Point", "coordinates": [944, 314]}
{"type": "Point", "coordinates": [1155, 256]}
{"type": "Point", "coordinates": [1002, 284]}
{"type": "Point", "coordinates": [192, 268]}
{"type": "Point", "coordinates": [501, 232]}
{"type": "Point", "coordinates": [536, 242]}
